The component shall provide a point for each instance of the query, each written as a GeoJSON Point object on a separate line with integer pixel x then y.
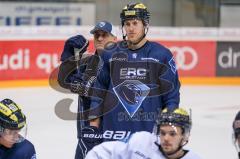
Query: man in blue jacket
{"type": "Point", "coordinates": [141, 74]}
{"type": "Point", "coordinates": [77, 73]}
{"type": "Point", "coordinates": [13, 144]}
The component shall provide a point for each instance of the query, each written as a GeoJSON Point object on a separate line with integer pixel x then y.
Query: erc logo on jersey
{"type": "Point", "coordinates": [133, 73]}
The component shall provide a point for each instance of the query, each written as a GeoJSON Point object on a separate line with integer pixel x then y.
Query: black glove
{"type": "Point", "coordinates": [90, 137]}
{"type": "Point", "coordinates": [77, 84]}
{"type": "Point", "coordinates": [80, 86]}
{"type": "Point", "coordinates": [81, 83]}
{"type": "Point", "coordinates": [72, 44]}
{"type": "Point", "coordinates": [77, 87]}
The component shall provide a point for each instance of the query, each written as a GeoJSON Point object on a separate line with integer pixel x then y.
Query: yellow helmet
{"type": "Point", "coordinates": [11, 116]}
{"type": "Point", "coordinates": [178, 117]}
{"type": "Point", "coordinates": [135, 11]}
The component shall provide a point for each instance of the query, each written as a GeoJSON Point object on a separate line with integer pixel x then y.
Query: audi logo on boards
{"type": "Point", "coordinates": [186, 57]}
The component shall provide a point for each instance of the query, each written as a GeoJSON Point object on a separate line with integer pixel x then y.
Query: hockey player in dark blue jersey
{"type": "Point", "coordinates": [142, 75]}
{"type": "Point", "coordinates": [236, 133]}
{"type": "Point", "coordinates": [13, 144]}
{"type": "Point", "coordinates": [78, 74]}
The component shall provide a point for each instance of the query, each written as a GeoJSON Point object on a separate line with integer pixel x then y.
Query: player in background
{"type": "Point", "coordinates": [142, 75]}
{"type": "Point", "coordinates": [78, 75]}
{"type": "Point", "coordinates": [172, 131]}
{"type": "Point", "coordinates": [236, 133]}
{"type": "Point", "coordinates": [13, 131]}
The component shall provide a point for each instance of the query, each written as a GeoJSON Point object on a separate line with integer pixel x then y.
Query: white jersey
{"type": "Point", "coordinates": [140, 146]}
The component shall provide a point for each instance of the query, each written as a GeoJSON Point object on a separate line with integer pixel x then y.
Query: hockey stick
{"type": "Point", "coordinates": [78, 55]}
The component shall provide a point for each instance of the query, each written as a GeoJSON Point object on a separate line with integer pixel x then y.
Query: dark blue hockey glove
{"type": "Point", "coordinates": [76, 43]}
{"type": "Point", "coordinates": [90, 137]}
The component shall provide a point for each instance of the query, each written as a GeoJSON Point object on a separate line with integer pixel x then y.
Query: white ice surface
{"type": "Point", "coordinates": [213, 110]}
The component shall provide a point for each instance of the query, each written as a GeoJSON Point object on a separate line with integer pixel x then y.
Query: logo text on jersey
{"type": "Point", "coordinates": [133, 73]}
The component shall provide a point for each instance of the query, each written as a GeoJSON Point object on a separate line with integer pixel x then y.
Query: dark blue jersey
{"type": "Point", "coordinates": [144, 81]}
{"type": "Point", "coordinates": [23, 150]}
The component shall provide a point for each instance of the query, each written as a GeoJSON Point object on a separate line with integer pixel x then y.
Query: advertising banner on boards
{"type": "Point", "coordinates": [228, 59]}
{"type": "Point", "coordinates": [193, 58]}
{"type": "Point", "coordinates": [39, 14]}
{"type": "Point", "coordinates": [37, 58]}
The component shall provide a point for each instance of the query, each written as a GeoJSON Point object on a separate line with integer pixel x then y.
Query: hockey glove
{"type": "Point", "coordinates": [80, 86]}
{"type": "Point", "coordinates": [81, 83]}
{"type": "Point", "coordinates": [74, 44]}
{"type": "Point", "coordinates": [77, 84]}
{"type": "Point", "coordinates": [90, 137]}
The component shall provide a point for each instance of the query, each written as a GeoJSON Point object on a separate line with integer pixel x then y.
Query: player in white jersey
{"type": "Point", "coordinates": [170, 134]}
{"type": "Point", "coordinates": [236, 133]}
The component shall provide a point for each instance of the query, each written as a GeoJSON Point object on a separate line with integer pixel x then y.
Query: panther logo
{"type": "Point", "coordinates": [131, 93]}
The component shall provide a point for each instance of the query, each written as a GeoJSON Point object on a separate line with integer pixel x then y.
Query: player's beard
{"type": "Point", "coordinates": [167, 148]}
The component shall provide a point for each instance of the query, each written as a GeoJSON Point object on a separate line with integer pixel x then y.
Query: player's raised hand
{"type": "Point", "coordinates": [75, 43]}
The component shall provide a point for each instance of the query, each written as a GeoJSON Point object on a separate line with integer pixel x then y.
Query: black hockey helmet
{"type": "Point", "coordinates": [11, 116]}
{"type": "Point", "coordinates": [236, 125]}
{"type": "Point", "coordinates": [236, 133]}
{"type": "Point", "coordinates": [135, 11]}
{"type": "Point", "coordinates": [178, 117]}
